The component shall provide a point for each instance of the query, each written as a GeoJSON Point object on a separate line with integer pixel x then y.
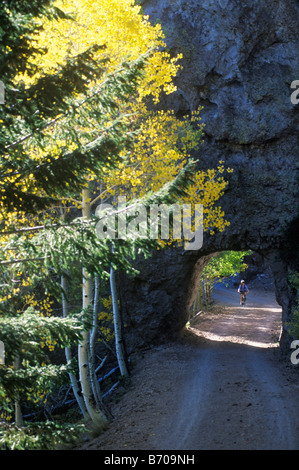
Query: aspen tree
{"type": "Point", "coordinates": [32, 181]}
{"type": "Point", "coordinates": [79, 116]}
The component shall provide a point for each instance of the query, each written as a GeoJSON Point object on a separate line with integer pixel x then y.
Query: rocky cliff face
{"type": "Point", "coordinates": [239, 59]}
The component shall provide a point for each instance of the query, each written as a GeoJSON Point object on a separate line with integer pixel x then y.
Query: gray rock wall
{"type": "Point", "coordinates": [239, 59]}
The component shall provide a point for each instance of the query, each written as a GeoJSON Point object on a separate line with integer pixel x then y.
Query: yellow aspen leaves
{"type": "Point", "coordinates": [117, 24]}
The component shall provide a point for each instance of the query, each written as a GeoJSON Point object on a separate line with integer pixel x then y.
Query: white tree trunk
{"type": "Point", "coordinates": [68, 353]}
{"type": "Point", "coordinates": [93, 336]}
{"type": "Point", "coordinates": [83, 353]}
{"type": "Point", "coordinates": [18, 411]}
{"type": "Point", "coordinates": [119, 344]}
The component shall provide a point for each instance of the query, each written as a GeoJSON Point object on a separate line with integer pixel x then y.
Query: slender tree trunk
{"type": "Point", "coordinates": [18, 411]}
{"type": "Point", "coordinates": [209, 284]}
{"type": "Point", "coordinates": [198, 299]}
{"type": "Point", "coordinates": [93, 336]}
{"type": "Point", "coordinates": [68, 354]}
{"type": "Point", "coordinates": [200, 295]}
{"type": "Point", "coordinates": [83, 352]}
{"type": "Point", "coordinates": [119, 343]}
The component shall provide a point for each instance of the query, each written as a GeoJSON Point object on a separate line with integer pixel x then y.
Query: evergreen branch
{"type": "Point", "coordinates": [24, 260]}
{"type": "Point", "coordinates": [108, 82]}
{"type": "Point", "coordinates": [169, 194]}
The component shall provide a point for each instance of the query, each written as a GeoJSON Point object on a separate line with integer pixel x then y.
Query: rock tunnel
{"type": "Point", "coordinates": [239, 60]}
{"type": "Point", "coordinates": [156, 304]}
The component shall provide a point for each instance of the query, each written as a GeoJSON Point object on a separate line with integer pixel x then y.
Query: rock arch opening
{"type": "Point", "coordinates": [216, 313]}
{"type": "Point", "coordinates": [156, 303]}
{"type": "Point", "coordinates": [267, 276]}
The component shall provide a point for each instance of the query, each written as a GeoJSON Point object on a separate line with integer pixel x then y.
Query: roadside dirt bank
{"type": "Point", "coordinates": [224, 385]}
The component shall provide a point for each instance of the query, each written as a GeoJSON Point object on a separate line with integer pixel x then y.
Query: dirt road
{"type": "Point", "coordinates": [223, 386]}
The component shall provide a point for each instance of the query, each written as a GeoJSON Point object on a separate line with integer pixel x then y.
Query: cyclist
{"type": "Point", "coordinates": [243, 290]}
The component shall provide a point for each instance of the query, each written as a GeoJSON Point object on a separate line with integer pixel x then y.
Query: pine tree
{"type": "Point", "coordinates": [34, 175]}
{"type": "Point", "coordinates": [26, 373]}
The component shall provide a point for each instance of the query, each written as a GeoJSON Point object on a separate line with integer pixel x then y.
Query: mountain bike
{"type": "Point", "coordinates": [243, 298]}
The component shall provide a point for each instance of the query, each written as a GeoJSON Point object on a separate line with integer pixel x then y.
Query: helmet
{"type": "Point", "coordinates": [242, 280]}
